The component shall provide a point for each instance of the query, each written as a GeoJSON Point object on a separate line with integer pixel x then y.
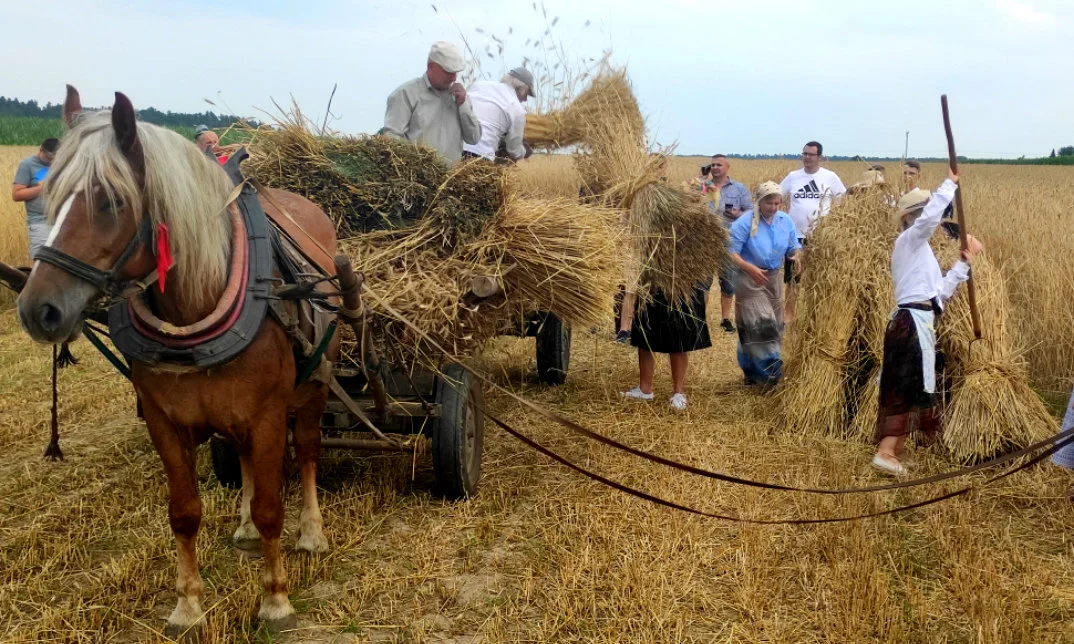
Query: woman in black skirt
{"type": "Point", "coordinates": [660, 328]}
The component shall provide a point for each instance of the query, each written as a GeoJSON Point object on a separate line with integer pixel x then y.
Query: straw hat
{"type": "Point", "coordinates": [911, 201]}
{"type": "Point", "coordinates": [869, 178]}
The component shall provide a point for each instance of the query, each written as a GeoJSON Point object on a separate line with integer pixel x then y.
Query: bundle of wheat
{"type": "Point", "coordinates": [676, 239]}
{"type": "Point", "coordinates": [991, 406]}
{"type": "Point", "coordinates": [834, 350]}
{"type": "Point", "coordinates": [609, 94]}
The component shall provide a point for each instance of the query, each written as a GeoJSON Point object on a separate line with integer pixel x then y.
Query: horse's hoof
{"type": "Point", "coordinates": [313, 544]}
{"type": "Point", "coordinates": [281, 625]}
{"type": "Point", "coordinates": [246, 532]}
{"type": "Point", "coordinates": [185, 634]}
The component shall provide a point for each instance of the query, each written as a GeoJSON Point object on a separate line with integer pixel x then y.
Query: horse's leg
{"type": "Point", "coordinates": [246, 531]}
{"type": "Point", "coordinates": [184, 514]}
{"type": "Point", "coordinates": [308, 449]}
{"type": "Point", "coordinates": [267, 445]}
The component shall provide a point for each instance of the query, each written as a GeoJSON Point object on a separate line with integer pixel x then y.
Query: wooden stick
{"type": "Point", "coordinates": [960, 213]}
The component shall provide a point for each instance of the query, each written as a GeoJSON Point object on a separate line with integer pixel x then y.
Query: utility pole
{"type": "Point", "coordinates": [906, 150]}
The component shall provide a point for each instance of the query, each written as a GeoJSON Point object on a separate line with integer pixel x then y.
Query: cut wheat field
{"type": "Point", "coordinates": [541, 554]}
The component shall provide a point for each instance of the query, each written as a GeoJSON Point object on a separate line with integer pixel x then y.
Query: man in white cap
{"type": "Point", "coordinates": [498, 106]}
{"type": "Point", "coordinates": [433, 109]}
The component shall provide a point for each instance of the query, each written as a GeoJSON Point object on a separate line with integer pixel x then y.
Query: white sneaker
{"type": "Point", "coordinates": [678, 402]}
{"type": "Point", "coordinates": [889, 465]}
{"type": "Point", "coordinates": [636, 394]}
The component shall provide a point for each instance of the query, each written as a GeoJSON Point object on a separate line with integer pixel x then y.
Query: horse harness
{"type": "Point", "coordinates": [269, 273]}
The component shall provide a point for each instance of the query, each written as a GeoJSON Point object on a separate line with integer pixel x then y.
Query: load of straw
{"type": "Point", "coordinates": [608, 97]}
{"type": "Point", "coordinates": [368, 183]}
{"type": "Point", "coordinates": [834, 352]}
{"type": "Point", "coordinates": [421, 234]}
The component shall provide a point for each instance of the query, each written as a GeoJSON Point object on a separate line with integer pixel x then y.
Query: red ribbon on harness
{"type": "Point", "coordinates": [164, 254]}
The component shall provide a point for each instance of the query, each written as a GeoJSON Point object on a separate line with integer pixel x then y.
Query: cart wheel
{"type": "Point", "coordinates": [458, 434]}
{"type": "Point", "coordinates": [225, 463]}
{"type": "Point", "coordinates": [553, 351]}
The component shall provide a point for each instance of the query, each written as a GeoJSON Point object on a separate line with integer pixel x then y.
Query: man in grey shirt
{"type": "Point", "coordinates": [729, 200]}
{"type": "Point", "coordinates": [433, 109]}
{"type": "Point", "coordinates": [27, 188]}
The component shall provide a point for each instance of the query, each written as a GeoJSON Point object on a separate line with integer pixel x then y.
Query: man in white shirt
{"type": "Point", "coordinates": [809, 194]}
{"type": "Point", "coordinates": [498, 106]}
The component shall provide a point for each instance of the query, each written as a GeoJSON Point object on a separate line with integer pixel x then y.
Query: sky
{"type": "Point", "coordinates": [729, 76]}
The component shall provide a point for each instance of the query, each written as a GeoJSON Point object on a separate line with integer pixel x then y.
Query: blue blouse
{"type": "Point", "coordinates": [770, 246]}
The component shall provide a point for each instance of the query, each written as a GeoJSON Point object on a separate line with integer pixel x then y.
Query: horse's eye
{"type": "Point", "coordinates": [111, 206]}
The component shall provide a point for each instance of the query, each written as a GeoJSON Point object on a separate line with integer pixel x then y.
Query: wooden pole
{"type": "Point", "coordinates": [960, 213]}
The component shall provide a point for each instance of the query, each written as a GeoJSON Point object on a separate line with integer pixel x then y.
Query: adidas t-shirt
{"type": "Point", "coordinates": [809, 196]}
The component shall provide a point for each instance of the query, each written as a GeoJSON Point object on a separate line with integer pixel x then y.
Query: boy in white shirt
{"type": "Point", "coordinates": [809, 193]}
{"type": "Point", "coordinates": [908, 375]}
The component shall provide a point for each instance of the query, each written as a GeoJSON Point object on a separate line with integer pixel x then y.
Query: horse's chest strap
{"type": "Point", "coordinates": [140, 337]}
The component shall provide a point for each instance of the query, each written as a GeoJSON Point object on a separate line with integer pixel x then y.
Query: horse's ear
{"type": "Point", "coordinates": [72, 106]}
{"type": "Point", "coordinates": [125, 124]}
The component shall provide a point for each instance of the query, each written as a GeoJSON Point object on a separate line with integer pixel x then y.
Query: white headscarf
{"type": "Point", "coordinates": [766, 189]}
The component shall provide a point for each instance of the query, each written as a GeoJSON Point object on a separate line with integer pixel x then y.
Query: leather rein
{"type": "Point", "coordinates": [107, 281]}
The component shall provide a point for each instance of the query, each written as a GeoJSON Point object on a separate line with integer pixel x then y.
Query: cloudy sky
{"type": "Point", "coordinates": [737, 76]}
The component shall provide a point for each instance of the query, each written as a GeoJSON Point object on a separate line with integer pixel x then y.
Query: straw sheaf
{"type": "Point", "coordinates": [609, 94]}
{"type": "Point", "coordinates": [992, 407]}
{"type": "Point", "coordinates": [834, 350]}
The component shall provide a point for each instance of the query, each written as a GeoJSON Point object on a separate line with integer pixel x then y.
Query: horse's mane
{"type": "Point", "coordinates": [183, 189]}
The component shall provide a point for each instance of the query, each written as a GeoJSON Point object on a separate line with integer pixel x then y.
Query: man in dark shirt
{"type": "Point", "coordinates": [27, 189]}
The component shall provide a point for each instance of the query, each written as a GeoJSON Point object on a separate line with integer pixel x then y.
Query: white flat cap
{"type": "Point", "coordinates": [448, 56]}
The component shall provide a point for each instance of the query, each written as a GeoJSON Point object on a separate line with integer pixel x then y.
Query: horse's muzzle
{"type": "Point", "coordinates": [55, 315]}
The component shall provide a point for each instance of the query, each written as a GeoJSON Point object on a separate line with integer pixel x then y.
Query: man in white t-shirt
{"type": "Point", "coordinates": [498, 106]}
{"type": "Point", "coordinates": [809, 194]}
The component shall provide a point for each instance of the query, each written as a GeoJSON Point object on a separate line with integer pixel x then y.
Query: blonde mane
{"type": "Point", "coordinates": [183, 189]}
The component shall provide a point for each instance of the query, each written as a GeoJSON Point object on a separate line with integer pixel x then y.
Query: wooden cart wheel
{"type": "Point", "coordinates": [553, 350]}
{"type": "Point", "coordinates": [225, 463]}
{"type": "Point", "coordinates": [458, 433]}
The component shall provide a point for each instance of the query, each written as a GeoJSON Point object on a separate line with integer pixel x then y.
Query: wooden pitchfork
{"type": "Point", "coordinates": [960, 213]}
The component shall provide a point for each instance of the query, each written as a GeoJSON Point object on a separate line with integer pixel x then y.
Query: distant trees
{"type": "Point", "coordinates": [1066, 151]}
{"type": "Point", "coordinates": [31, 108]}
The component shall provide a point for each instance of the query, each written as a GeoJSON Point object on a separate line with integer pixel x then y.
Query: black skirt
{"type": "Point", "coordinates": [902, 380]}
{"type": "Point", "coordinates": [660, 329]}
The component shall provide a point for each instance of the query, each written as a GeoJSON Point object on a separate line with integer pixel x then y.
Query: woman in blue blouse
{"type": "Point", "coordinates": [761, 240]}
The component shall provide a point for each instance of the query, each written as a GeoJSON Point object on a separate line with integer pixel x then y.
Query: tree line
{"type": "Point", "coordinates": [32, 109]}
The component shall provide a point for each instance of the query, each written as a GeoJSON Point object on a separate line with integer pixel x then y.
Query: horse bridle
{"type": "Point", "coordinates": [106, 281]}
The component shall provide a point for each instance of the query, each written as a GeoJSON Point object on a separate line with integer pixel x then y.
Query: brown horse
{"type": "Point", "coordinates": [110, 173]}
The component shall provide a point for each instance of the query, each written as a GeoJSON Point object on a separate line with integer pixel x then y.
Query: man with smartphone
{"type": "Point", "coordinates": [729, 200]}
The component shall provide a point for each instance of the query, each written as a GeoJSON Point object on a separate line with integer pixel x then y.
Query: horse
{"type": "Point", "coordinates": [114, 179]}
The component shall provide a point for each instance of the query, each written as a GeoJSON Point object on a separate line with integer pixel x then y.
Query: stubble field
{"type": "Point", "coordinates": [541, 554]}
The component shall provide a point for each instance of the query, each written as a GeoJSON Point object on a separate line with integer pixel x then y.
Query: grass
{"type": "Point", "coordinates": [541, 554]}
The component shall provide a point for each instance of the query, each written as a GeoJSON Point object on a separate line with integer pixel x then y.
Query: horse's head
{"type": "Point", "coordinates": [94, 201]}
